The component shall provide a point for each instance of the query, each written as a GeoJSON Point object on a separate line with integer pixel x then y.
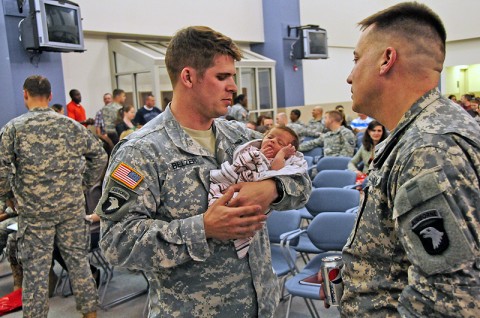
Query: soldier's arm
{"type": "Point", "coordinates": [437, 221]}
{"type": "Point", "coordinates": [309, 145]}
{"type": "Point", "coordinates": [349, 141]}
{"type": "Point", "coordinates": [6, 160]}
{"type": "Point", "coordinates": [96, 160]}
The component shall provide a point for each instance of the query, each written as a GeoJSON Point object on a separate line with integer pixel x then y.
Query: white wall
{"type": "Point", "coordinates": [240, 20]}
{"type": "Point", "coordinates": [89, 72]}
{"type": "Point", "coordinates": [324, 80]}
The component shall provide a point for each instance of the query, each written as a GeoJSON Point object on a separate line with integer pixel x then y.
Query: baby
{"type": "Point", "coordinates": [260, 159]}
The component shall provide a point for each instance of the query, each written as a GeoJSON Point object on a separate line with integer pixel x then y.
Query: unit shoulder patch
{"type": "Point", "coordinates": [429, 228]}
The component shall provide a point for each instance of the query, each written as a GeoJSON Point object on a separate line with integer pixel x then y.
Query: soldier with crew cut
{"type": "Point", "coordinates": [415, 250]}
{"type": "Point", "coordinates": [154, 208]}
{"type": "Point", "coordinates": [47, 161]}
{"type": "Point", "coordinates": [338, 141]}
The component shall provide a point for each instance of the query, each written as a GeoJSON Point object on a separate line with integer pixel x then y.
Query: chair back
{"type": "Point", "coordinates": [330, 231]}
{"type": "Point", "coordinates": [279, 222]}
{"type": "Point", "coordinates": [333, 163]}
{"type": "Point", "coordinates": [334, 178]}
{"type": "Point", "coordinates": [309, 161]}
{"type": "Point", "coordinates": [315, 152]}
{"type": "Point", "coordinates": [332, 200]}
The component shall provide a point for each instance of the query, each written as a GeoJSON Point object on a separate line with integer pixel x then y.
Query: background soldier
{"type": "Point", "coordinates": [44, 159]}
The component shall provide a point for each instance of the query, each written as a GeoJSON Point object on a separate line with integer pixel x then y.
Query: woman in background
{"type": "Point", "coordinates": [124, 119]}
{"type": "Point", "coordinates": [375, 134]}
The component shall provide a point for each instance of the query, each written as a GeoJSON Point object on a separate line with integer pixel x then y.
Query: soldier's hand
{"type": "Point", "coordinates": [223, 222]}
{"type": "Point", "coordinates": [261, 193]}
{"type": "Point", "coordinates": [322, 290]}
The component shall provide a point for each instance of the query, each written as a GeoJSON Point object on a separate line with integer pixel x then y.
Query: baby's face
{"type": "Point", "coordinates": [275, 140]}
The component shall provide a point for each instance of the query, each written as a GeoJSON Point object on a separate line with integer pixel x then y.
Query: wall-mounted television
{"type": "Point", "coordinates": [52, 25]}
{"type": "Point", "coordinates": [312, 44]}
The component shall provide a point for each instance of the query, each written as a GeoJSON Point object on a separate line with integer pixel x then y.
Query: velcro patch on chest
{"type": "Point", "coordinates": [127, 176]}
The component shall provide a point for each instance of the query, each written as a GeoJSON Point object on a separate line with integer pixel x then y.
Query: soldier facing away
{"type": "Point", "coordinates": [47, 160]}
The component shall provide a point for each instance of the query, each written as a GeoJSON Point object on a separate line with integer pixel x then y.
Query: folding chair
{"type": "Point", "coordinates": [328, 232]}
{"type": "Point", "coordinates": [333, 163]}
{"type": "Point", "coordinates": [279, 224]}
{"type": "Point", "coordinates": [334, 179]}
{"type": "Point", "coordinates": [332, 200]}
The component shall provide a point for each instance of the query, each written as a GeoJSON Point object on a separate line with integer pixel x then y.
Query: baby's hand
{"type": "Point", "coordinates": [287, 151]}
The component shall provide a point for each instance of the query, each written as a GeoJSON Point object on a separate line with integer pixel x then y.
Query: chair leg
{"type": "Point", "coordinates": [289, 305]}
{"type": "Point", "coordinates": [311, 308]}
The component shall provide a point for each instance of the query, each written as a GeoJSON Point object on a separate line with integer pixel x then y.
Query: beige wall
{"type": "Point", "coordinates": [241, 20]}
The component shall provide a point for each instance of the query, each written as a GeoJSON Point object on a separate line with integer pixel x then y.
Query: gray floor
{"type": "Point", "coordinates": [125, 282]}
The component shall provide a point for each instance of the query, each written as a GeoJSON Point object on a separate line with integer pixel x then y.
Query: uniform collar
{"type": "Point", "coordinates": [384, 148]}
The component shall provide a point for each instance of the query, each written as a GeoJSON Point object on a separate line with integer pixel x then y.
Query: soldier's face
{"type": "Point", "coordinates": [365, 72]}
{"type": "Point", "coordinates": [213, 92]}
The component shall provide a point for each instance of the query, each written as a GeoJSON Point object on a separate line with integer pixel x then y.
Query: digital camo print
{"type": "Point", "coordinates": [415, 250]}
{"type": "Point", "coordinates": [46, 162]}
{"type": "Point", "coordinates": [314, 128]}
{"type": "Point", "coordinates": [156, 225]}
{"type": "Point", "coordinates": [110, 113]}
{"type": "Point", "coordinates": [335, 143]}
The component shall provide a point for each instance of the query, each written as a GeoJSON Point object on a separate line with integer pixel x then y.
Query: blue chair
{"type": "Point", "coordinates": [334, 178]}
{"type": "Point", "coordinates": [332, 200]}
{"type": "Point", "coordinates": [328, 232]}
{"type": "Point", "coordinates": [333, 163]}
{"type": "Point", "coordinates": [316, 153]}
{"type": "Point", "coordinates": [309, 161]}
{"type": "Point", "coordinates": [283, 257]}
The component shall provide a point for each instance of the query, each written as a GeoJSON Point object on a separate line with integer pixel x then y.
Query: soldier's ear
{"type": "Point", "coordinates": [186, 77]}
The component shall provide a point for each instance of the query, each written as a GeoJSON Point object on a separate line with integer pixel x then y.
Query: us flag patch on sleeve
{"type": "Point", "coordinates": [127, 176]}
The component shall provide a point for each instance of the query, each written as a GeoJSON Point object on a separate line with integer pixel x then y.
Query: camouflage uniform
{"type": "Point", "coordinates": [314, 128]}
{"type": "Point", "coordinates": [152, 210]}
{"type": "Point", "coordinates": [110, 114]}
{"type": "Point", "coordinates": [415, 248]}
{"type": "Point", "coordinates": [44, 157]}
{"type": "Point", "coordinates": [335, 143]}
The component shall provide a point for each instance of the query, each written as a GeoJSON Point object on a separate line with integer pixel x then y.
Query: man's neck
{"type": "Point", "coordinates": [148, 107]}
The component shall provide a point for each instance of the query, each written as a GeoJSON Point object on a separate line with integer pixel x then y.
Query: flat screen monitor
{"type": "Point", "coordinates": [315, 44]}
{"type": "Point", "coordinates": [53, 26]}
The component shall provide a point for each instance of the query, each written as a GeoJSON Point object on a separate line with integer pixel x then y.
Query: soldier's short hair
{"type": "Point", "coordinates": [414, 21]}
{"type": "Point", "coordinates": [197, 46]}
{"type": "Point", "coordinates": [335, 115]}
{"type": "Point", "coordinates": [37, 85]}
{"type": "Point", "coordinates": [117, 92]}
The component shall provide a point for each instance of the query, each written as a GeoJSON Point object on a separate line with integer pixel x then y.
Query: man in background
{"type": "Point", "coordinates": [338, 141]}
{"type": "Point", "coordinates": [147, 112]}
{"type": "Point", "coordinates": [76, 111]}
{"type": "Point", "coordinates": [46, 181]}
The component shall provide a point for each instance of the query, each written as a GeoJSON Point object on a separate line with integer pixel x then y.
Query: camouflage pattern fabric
{"type": "Point", "coordinates": [314, 128]}
{"type": "Point", "coordinates": [110, 114]}
{"type": "Point", "coordinates": [335, 143]}
{"type": "Point", "coordinates": [155, 194]}
{"type": "Point", "coordinates": [12, 256]}
{"type": "Point", "coordinates": [46, 162]}
{"type": "Point", "coordinates": [415, 248]}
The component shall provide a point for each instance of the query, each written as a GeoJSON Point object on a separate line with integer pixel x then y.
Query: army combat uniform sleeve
{"type": "Point", "coordinates": [6, 161]}
{"type": "Point", "coordinates": [96, 160]}
{"type": "Point", "coordinates": [309, 145]}
{"type": "Point", "coordinates": [349, 141]}
{"type": "Point", "coordinates": [436, 216]}
{"type": "Point", "coordinates": [134, 234]}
